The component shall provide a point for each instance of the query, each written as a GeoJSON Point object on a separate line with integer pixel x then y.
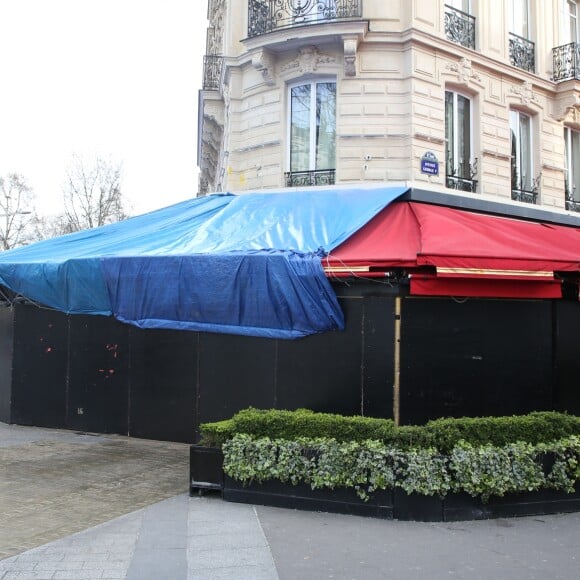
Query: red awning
{"type": "Point", "coordinates": [462, 245]}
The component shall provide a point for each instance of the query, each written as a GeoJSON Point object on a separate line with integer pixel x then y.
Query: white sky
{"type": "Point", "coordinates": [117, 78]}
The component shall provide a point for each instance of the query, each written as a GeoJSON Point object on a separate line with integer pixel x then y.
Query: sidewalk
{"type": "Point", "coordinates": [206, 538]}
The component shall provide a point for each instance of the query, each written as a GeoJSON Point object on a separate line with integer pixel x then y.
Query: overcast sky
{"type": "Point", "coordinates": [116, 78]}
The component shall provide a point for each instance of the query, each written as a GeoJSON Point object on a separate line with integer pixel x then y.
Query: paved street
{"type": "Point", "coordinates": [128, 497]}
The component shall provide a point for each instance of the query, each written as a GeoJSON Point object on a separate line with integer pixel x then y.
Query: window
{"type": "Point", "coordinates": [520, 18]}
{"type": "Point", "coordinates": [570, 21]}
{"type": "Point", "coordinates": [459, 24]}
{"type": "Point", "coordinates": [312, 132]}
{"type": "Point", "coordinates": [572, 172]}
{"type": "Point", "coordinates": [522, 50]}
{"type": "Point", "coordinates": [524, 187]}
{"type": "Point", "coordinates": [463, 5]}
{"type": "Point", "coordinates": [459, 164]}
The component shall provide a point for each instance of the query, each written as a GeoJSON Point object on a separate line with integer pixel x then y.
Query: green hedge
{"type": "Point", "coordinates": [442, 434]}
{"type": "Point", "coordinates": [370, 465]}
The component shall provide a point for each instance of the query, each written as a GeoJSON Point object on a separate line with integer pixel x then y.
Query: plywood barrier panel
{"type": "Point", "coordinates": [39, 367]}
{"type": "Point", "coordinates": [324, 372]}
{"type": "Point", "coordinates": [6, 344]}
{"type": "Point", "coordinates": [379, 337]}
{"type": "Point", "coordinates": [98, 375]}
{"type": "Point", "coordinates": [235, 372]}
{"type": "Point", "coordinates": [567, 358]}
{"type": "Point", "coordinates": [466, 357]}
{"type": "Point", "coordinates": [163, 384]}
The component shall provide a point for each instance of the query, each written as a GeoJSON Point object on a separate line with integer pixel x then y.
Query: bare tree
{"type": "Point", "coordinates": [44, 227]}
{"type": "Point", "coordinates": [16, 211]}
{"type": "Point", "coordinates": [92, 194]}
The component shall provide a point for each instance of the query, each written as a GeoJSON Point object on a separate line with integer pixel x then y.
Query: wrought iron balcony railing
{"type": "Point", "coordinates": [522, 53]}
{"type": "Point", "coordinates": [524, 195]}
{"type": "Point", "coordinates": [566, 62]}
{"type": "Point", "coordinates": [461, 183]}
{"type": "Point", "coordinates": [459, 27]}
{"type": "Point", "coordinates": [305, 178]}
{"type": "Point", "coordinates": [268, 15]}
{"type": "Point", "coordinates": [571, 203]}
{"type": "Point", "coordinates": [212, 72]}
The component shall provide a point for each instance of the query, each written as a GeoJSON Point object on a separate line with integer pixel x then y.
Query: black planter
{"type": "Point", "coordinates": [461, 506]}
{"type": "Point", "coordinates": [397, 504]}
{"type": "Point", "coordinates": [205, 469]}
{"type": "Point", "coordinates": [301, 496]}
{"type": "Point", "coordinates": [417, 507]}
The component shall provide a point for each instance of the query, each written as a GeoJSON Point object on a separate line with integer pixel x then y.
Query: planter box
{"type": "Point", "coordinates": [205, 469]}
{"type": "Point", "coordinates": [397, 504]}
{"type": "Point", "coordinates": [416, 507]}
{"type": "Point", "coordinates": [301, 496]}
{"type": "Point", "coordinates": [461, 506]}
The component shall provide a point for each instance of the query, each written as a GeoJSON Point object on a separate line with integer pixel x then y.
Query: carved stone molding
{"type": "Point", "coordinates": [308, 60]}
{"type": "Point", "coordinates": [350, 47]}
{"type": "Point", "coordinates": [264, 62]}
{"type": "Point", "coordinates": [571, 115]}
{"type": "Point", "coordinates": [464, 70]}
{"type": "Point", "coordinates": [526, 93]}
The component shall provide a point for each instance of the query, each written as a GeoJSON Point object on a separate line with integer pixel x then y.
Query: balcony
{"type": "Point", "coordinates": [525, 195]}
{"type": "Point", "coordinates": [307, 178]}
{"type": "Point", "coordinates": [522, 53]}
{"type": "Point", "coordinates": [461, 183]}
{"type": "Point", "coordinates": [459, 27]}
{"type": "Point", "coordinates": [268, 15]}
{"type": "Point", "coordinates": [212, 72]}
{"type": "Point", "coordinates": [571, 203]}
{"type": "Point", "coordinates": [566, 60]}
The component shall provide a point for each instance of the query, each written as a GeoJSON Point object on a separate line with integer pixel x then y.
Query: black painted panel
{"type": "Point", "coordinates": [323, 372]}
{"type": "Point", "coordinates": [379, 336]}
{"type": "Point", "coordinates": [39, 367]}
{"type": "Point", "coordinates": [6, 352]}
{"type": "Point", "coordinates": [235, 372]}
{"type": "Point", "coordinates": [98, 375]}
{"type": "Point", "coordinates": [474, 358]}
{"type": "Point", "coordinates": [163, 384]}
{"type": "Point", "coordinates": [567, 359]}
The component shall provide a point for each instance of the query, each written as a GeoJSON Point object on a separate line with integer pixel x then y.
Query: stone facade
{"type": "Point", "coordinates": [393, 62]}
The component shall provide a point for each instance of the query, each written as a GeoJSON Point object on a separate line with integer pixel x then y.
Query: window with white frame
{"type": "Point", "coordinates": [522, 50]}
{"type": "Point", "coordinates": [524, 187]}
{"type": "Point", "coordinates": [570, 21]}
{"type": "Point", "coordinates": [520, 18]}
{"type": "Point", "coordinates": [572, 168]}
{"type": "Point", "coordinates": [459, 162]}
{"type": "Point", "coordinates": [463, 5]}
{"type": "Point", "coordinates": [459, 23]}
{"type": "Point", "coordinates": [312, 132]}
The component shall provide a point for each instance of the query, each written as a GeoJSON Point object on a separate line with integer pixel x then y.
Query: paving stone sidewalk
{"type": "Point", "coordinates": [180, 538]}
{"type": "Point", "coordinates": [55, 483]}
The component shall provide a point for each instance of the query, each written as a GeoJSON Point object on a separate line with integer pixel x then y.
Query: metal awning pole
{"type": "Point", "coordinates": [397, 354]}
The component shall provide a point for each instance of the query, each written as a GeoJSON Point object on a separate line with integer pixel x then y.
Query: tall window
{"type": "Point", "coordinates": [570, 21]}
{"type": "Point", "coordinates": [459, 24]}
{"type": "Point", "coordinates": [523, 183]}
{"type": "Point", "coordinates": [463, 5]}
{"type": "Point", "coordinates": [520, 18]}
{"type": "Point", "coordinates": [521, 49]}
{"type": "Point", "coordinates": [312, 132]}
{"type": "Point", "coordinates": [459, 165]}
{"type": "Point", "coordinates": [572, 173]}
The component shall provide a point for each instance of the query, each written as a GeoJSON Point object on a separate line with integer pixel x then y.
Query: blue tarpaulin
{"type": "Point", "coordinates": [242, 264]}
